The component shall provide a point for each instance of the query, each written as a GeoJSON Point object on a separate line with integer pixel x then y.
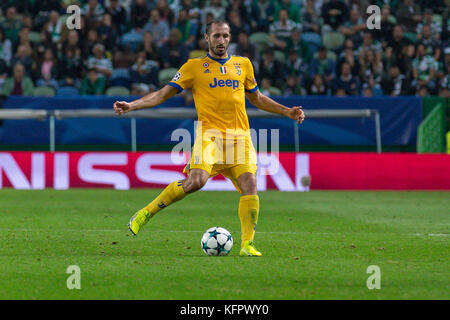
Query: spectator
{"type": "Point", "coordinates": [139, 14]}
{"type": "Point", "coordinates": [92, 84]}
{"type": "Point", "coordinates": [409, 15]}
{"type": "Point", "coordinates": [346, 81]}
{"type": "Point", "coordinates": [368, 43]}
{"type": "Point", "coordinates": [371, 69]}
{"type": "Point", "coordinates": [348, 56]}
{"type": "Point", "coordinates": [394, 83]}
{"type": "Point", "coordinates": [295, 65]}
{"type": "Point", "coordinates": [295, 42]}
{"type": "Point", "coordinates": [261, 15]}
{"type": "Point", "coordinates": [428, 40]}
{"type": "Point", "coordinates": [46, 43]}
{"type": "Point", "coordinates": [24, 40]}
{"type": "Point", "coordinates": [271, 68]}
{"type": "Point", "coordinates": [318, 86]}
{"type": "Point", "coordinates": [384, 34]}
{"type": "Point", "coordinates": [72, 42]}
{"type": "Point", "coordinates": [118, 16]}
{"type": "Point", "coordinates": [3, 73]}
{"type": "Point", "coordinates": [435, 27]}
{"type": "Point", "coordinates": [11, 25]}
{"type": "Point", "coordinates": [174, 53]}
{"type": "Point", "coordinates": [334, 14]}
{"type": "Point", "coordinates": [245, 48]}
{"type": "Point", "coordinates": [209, 18]}
{"type": "Point", "coordinates": [236, 5]}
{"type": "Point", "coordinates": [215, 8]}
{"type": "Point", "coordinates": [165, 12]}
{"type": "Point", "coordinates": [359, 5]}
{"type": "Point", "coordinates": [55, 27]}
{"type": "Point", "coordinates": [108, 35]}
{"type": "Point", "coordinates": [399, 50]}
{"type": "Point", "coordinates": [353, 28]}
{"type": "Point", "coordinates": [424, 69]}
{"type": "Point", "coordinates": [144, 70]}
{"type": "Point", "coordinates": [23, 57]}
{"type": "Point", "coordinates": [5, 48]}
{"type": "Point", "coordinates": [19, 84]}
{"type": "Point", "coordinates": [93, 11]}
{"type": "Point", "coordinates": [310, 17]}
{"type": "Point", "coordinates": [292, 9]}
{"type": "Point", "coordinates": [323, 65]}
{"type": "Point", "coordinates": [293, 87]}
{"type": "Point", "coordinates": [393, 4]}
{"type": "Point", "coordinates": [158, 28]}
{"type": "Point", "coordinates": [266, 85]}
{"type": "Point", "coordinates": [187, 29]}
{"type": "Point", "coordinates": [48, 71]}
{"type": "Point", "coordinates": [99, 62]}
{"type": "Point", "coordinates": [91, 40]}
{"type": "Point", "coordinates": [194, 12]}
{"type": "Point", "coordinates": [422, 91]}
{"type": "Point", "coordinates": [367, 92]}
{"type": "Point", "coordinates": [280, 31]}
{"type": "Point", "coordinates": [123, 59]}
{"type": "Point", "coordinates": [236, 25]}
{"type": "Point", "coordinates": [71, 67]}
{"type": "Point", "coordinates": [150, 48]}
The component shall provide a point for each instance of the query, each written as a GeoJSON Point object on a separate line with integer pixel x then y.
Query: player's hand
{"type": "Point", "coordinates": [297, 114]}
{"type": "Point", "coordinates": [121, 107]}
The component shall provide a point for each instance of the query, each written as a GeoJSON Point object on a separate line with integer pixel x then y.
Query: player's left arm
{"type": "Point", "coordinates": [265, 103]}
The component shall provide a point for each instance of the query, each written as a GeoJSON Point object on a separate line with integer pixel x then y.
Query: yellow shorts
{"type": "Point", "coordinates": [216, 155]}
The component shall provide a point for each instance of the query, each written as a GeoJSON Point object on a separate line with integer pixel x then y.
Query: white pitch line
{"type": "Point", "coordinates": [199, 231]}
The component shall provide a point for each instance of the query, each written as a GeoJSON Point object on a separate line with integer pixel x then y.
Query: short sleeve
{"type": "Point", "coordinates": [184, 78]}
{"type": "Point", "coordinates": [250, 83]}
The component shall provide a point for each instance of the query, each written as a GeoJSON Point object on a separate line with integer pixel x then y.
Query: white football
{"type": "Point", "coordinates": [217, 241]}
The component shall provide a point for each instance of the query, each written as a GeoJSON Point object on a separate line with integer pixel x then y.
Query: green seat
{"type": "Point", "coordinates": [260, 39]}
{"type": "Point", "coordinates": [165, 75]}
{"type": "Point", "coordinates": [117, 91]}
{"type": "Point", "coordinates": [44, 92]}
{"type": "Point", "coordinates": [437, 18]}
{"type": "Point", "coordinates": [411, 36]}
{"type": "Point", "coordinates": [333, 40]}
{"type": "Point", "coordinates": [274, 91]}
{"type": "Point", "coordinates": [34, 37]}
{"type": "Point", "coordinates": [280, 56]}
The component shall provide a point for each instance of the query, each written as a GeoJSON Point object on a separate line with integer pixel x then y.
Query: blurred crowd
{"type": "Point", "coordinates": [298, 47]}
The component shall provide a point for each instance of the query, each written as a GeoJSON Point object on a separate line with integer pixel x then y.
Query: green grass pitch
{"type": "Point", "coordinates": [315, 245]}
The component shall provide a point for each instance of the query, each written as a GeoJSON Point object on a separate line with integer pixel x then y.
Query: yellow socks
{"type": "Point", "coordinates": [248, 213]}
{"type": "Point", "coordinates": [172, 193]}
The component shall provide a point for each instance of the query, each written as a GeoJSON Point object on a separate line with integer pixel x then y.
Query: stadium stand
{"type": "Point", "coordinates": [27, 29]}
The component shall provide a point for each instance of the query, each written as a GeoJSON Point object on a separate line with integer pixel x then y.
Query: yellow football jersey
{"type": "Point", "coordinates": [219, 87]}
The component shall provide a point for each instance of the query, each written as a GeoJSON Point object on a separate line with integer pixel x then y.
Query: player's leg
{"type": "Point", "coordinates": [248, 212]}
{"type": "Point", "coordinates": [174, 192]}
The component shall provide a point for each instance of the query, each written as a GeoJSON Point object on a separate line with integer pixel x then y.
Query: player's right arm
{"type": "Point", "coordinates": [182, 80]}
{"type": "Point", "coordinates": [150, 100]}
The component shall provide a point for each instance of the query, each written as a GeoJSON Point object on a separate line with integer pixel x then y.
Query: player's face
{"type": "Point", "coordinates": [219, 39]}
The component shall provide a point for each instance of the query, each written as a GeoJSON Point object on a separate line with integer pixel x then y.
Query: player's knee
{"type": "Point", "coordinates": [247, 184]}
{"type": "Point", "coordinates": [194, 184]}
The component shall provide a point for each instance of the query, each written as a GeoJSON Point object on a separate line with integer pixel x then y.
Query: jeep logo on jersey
{"type": "Point", "coordinates": [225, 83]}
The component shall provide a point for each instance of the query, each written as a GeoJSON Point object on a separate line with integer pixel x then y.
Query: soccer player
{"type": "Point", "coordinates": [219, 83]}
